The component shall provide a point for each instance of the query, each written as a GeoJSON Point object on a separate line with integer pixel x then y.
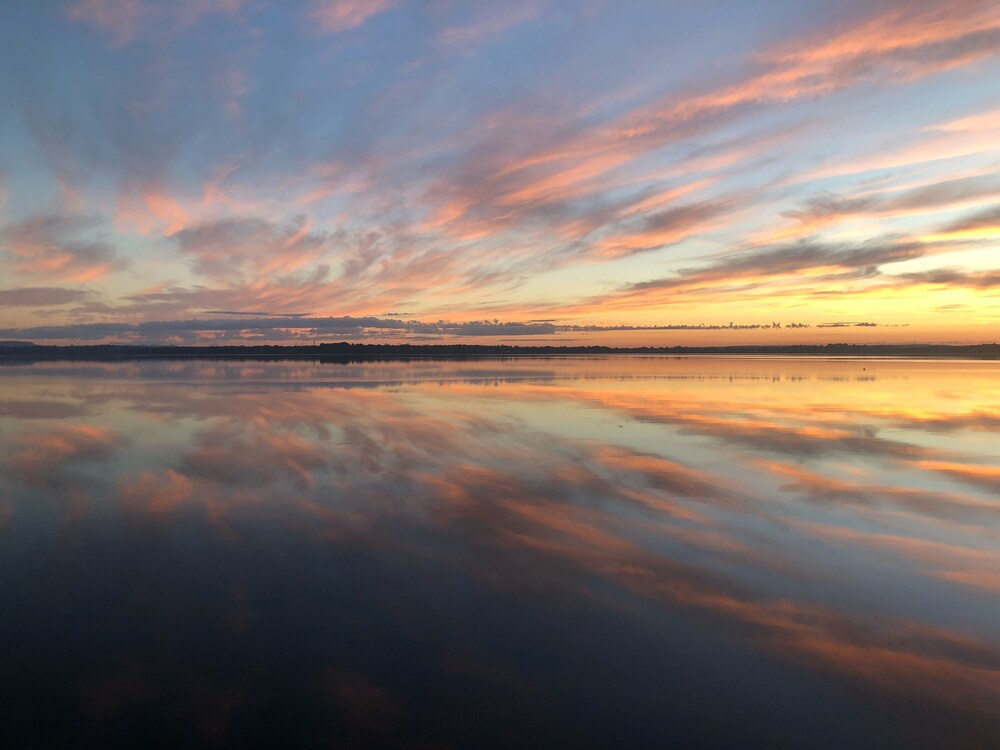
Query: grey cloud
{"type": "Point", "coordinates": [990, 217]}
{"type": "Point", "coordinates": [272, 328]}
{"type": "Point", "coordinates": [867, 258]}
{"type": "Point", "coordinates": [948, 192]}
{"type": "Point", "coordinates": [846, 324]}
{"type": "Point", "coordinates": [78, 331]}
{"type": "Point", "coordinates": [937, 195]}
{"type": "Point", "coordinates": [258, 313]}
{"type": "Point", "coordinates": [954, 277]}
{"type": "Point", "coordinates": [41, 296]}
{"type": "Point", "coordinates": [41, 409]}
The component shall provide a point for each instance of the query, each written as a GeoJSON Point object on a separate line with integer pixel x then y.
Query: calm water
{"type": "Point", "coordinates": [619, 552]}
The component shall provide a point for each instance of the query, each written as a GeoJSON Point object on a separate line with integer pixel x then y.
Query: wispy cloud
{"type": "Point", "coordinates": [953, 277]}
{"type": "Point", "coordinates": [901, 43]}
{"type": "Point", "coordinates": [988, 219]}
{"type": "Point", "coordinates": [755, 266]}
{"type": "Point", "coordinates": [41, 296]}
{"type": "Point", "coordinates": [56, 247]}
{"type": "Point", "coordinates": [490, 21]}
{"type": "Point", "coordinates": [336, 16]}
{"type": "Point", "coordinates": [233, 247]}
{"type": "Point", "coordinates": [828, 208]}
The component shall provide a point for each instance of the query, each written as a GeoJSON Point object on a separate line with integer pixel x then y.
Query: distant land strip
{"type": "Point", "coordinates": [23, 350]}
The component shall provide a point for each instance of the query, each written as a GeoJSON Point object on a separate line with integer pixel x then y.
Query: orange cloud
{"type": "Point", "coordinates": [984, 476]}
{"type": "Point", "coordinates": [154, 492]}
{"type": "Point", "coordinates": [57, 247]}
{"type": "Point", "coordinates": [150, 210]}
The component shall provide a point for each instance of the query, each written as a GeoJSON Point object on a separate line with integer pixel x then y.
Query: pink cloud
{"type": "Point", "coordinates": [499, 19]}
{"type": "Point", "coordinates": [336, 16]}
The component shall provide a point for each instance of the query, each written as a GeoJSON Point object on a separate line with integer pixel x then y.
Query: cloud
{"type": "Point", "coordinates": [148, 207]}
{"type": "Point", "coordinates": [984, 121]}
{"type": "Point", "coordinates": [54, 457]}
{"type": "Point", "coordinates": [254, 458]}
{"type": "Point", "coordinates": [41, 409]}
{"type": "Point", "coordinates": [337, 16]}
{"type": "Point", "coordinates": [824, 490]}
{"type": "Point", "coordinates": [987, 477]}
{"type": "Point", "coordinates": [258, 313]}
{"type": "Point", "coordinates": [79, 331]}
{"type": "Point", "coordinates": [495, 21]}
{"type": "Point", "coordinates": [752, 266]}
{"type": "Point", "coordinates": [41, 296]}
{"type": "Point", "coordinates": [826, 208]}
{"type": "Point", "coordinates": [953, 277]}
{"type": "Point", "coordinates": [664, 227]}
{"type": "Point", "coordinates": [230, 248]}
{"type": "Point", "coordinates": [280, 294]}
{"type": "Point", "coordinates": [986, 219]}
{"type": "Point", "coordinates": [245, 328]}
{"type": "Point", "coordinates": [155, 492]}
{"type": "Point", "coordinates": [53, 246]}
{"type": "Point", "coordinates": [376, 472]}
{"type": "Point", "coordinates": [907, 41]}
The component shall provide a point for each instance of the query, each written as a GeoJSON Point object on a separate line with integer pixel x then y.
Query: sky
{"type": "Point", "coordinates": [535, 172]}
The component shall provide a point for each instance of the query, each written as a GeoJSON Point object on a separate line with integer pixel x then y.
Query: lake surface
{"type": "Point", "coordinates": [615, 552]}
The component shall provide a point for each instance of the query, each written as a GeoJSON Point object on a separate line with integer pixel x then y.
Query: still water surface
{"type": "Point", "coordinates": [616, 552]}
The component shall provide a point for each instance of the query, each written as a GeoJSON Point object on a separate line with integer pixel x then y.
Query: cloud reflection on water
{"type": "Point", "coordinates": [796, 509]}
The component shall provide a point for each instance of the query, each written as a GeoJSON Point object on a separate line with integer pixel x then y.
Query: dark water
{"type": "Point", "coordinates": [631, 552]}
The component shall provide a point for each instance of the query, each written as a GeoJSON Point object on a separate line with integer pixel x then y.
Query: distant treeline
{"type": "Point", "coordinates": [344, 350]}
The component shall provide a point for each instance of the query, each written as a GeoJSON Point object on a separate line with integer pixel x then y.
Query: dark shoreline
{"type": "Point", "coordinates": [343, 350]}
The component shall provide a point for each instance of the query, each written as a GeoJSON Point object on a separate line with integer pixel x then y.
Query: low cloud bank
{"type": "Point", "coordinates": [295, 328]}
